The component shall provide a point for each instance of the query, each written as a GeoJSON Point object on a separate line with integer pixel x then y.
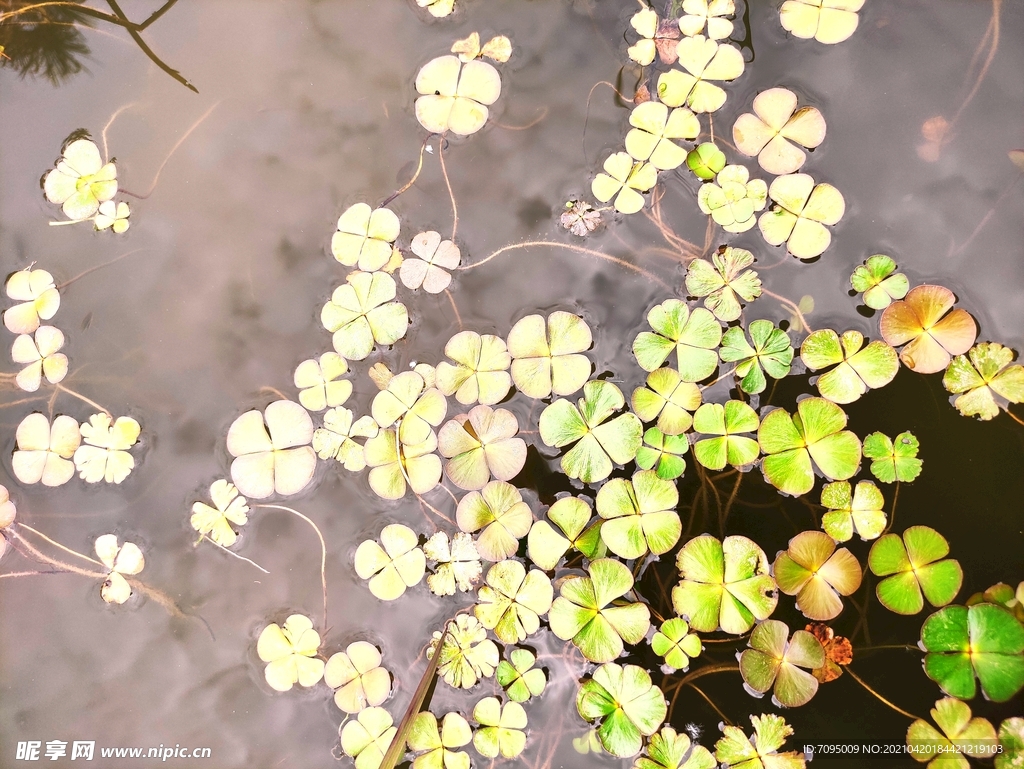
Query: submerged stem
{"type": "Point", "coordinates": [415, 176]}
{"type": "Point", "coordinates": [448, 184]}
{"type": "Point", "coordinates": [323, 550]}
{"type": "Point", "coordinates": [882, 699]}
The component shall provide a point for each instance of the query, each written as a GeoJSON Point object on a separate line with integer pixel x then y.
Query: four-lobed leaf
{"type": "Point", "coordinates": [639, 515]}
{"type": "Point", "coordinates": [727, 427]}
{"type": "Point", "coordinates": [501, 728]}
{"type": "Point", "coordinates": [674, 642]}
{"type": "Point", "coordinates": [622, 181]}
{"type": "Point", "coordinates": [518, 676]}
{"type": "Point", "coordinates": [395, 466]}
{"type": "Point", "coordinates": [985, 373]}
{"type": "Point", "coordinates": [693, 336]}
{"type": "Point", "coordinates": [336, 439]}
{"type": "Point", "coordinates": [480, 445]}
{"type": "Point", "coordinates": [430, 271]}
{"type": "Point", "coordinates": [769, 350]}
{"type": "Point", "coordinates": [467, 654]}
{"type": "Point", "coordinates": [437, 748]}
{"type": "Point", "coordinates": [103, 455]}
{"type": "Point", "coordinates": [570, 527]}
{"type": "Point", "coordinates": [733, 199]}
{"type": "Point", "coordinates": [37, 299]}
{"type": "Point", "coordinates": [724, 281]}
{"type": "Point", "coordinates": [362, 312]}
{"type": "Point", "coordinates": [271, 450]}
{"type": "Point", "coordinates": [817, 573]}
{"type": "Point", "coordinates": [663, 453]}
{"type": "Point", "coordinates": [800, 215]}
{"type": "Point", "coordinates": [779, 662]}
{"type": "Point", "coordinates": [290, 652]}
{"type": "Point", "coordinates": [455, 95]}
{"type": "Point", "coordinates": [859, 368]}
{"type": "Point", "coordinates": [512, 601]}
{"type": "Point", "coordinates": [932, 330]}
{"type": "Point", "coordinates": [215, 522]}
{"type": "Point", "coordinates": [365, 238]}
{"type": "Point", "coordinates": [852, 510]}
{"type": "Point", "coordinates": [879, 282]}
{"type": "Point", "coordinates": [547, 354]}
{"type": "Point", "coordinates": [759, 751]}
{"type": "Point", "coordinates": [827, 21]}
{"type": "Point", "coordinates": [961, 736]}
{"type": "Point", "coordinates": [893, 459]}
{"type": "Point", "coordinates": [702, 61]}
{"type": "Point", "coordinates": [357, 677]}
{"type": "Point", "coordinates": [628, 703]}
{"type": "Point", "coordinates": [776, 128]}
{"type": "Point", "coordinates": [367, 737]}
{"type": "Point", "coordinates": [914, 568]}
{"type": "Point", "coordinates": [456, 563]}
{"type": "Point", "coordinates": [501, 516]}
{"type": "Point", "coordinates": [655, 129]}
{"type": "Point", "coordinates": [668, 399]}
{"type": "Point", "coordinates": [392, 566]}
{"type": "Point", "coordinates": [480, 369]}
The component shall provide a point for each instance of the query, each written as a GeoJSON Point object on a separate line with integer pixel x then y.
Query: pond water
{"type": "Point", "coordinates": [310, 109]}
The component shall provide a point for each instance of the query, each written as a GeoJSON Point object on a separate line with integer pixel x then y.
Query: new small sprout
{"type": "Point", "coordinates": [290, 652]}
{"type": "Point", "coordinates": [357, 677]}
{"type": "Point", "coordinates": [81, 181]}
{"type": "Point", "coordinates": [365, 238]}
{"type": "Point", "coordinates": [879, 282]}
{"type": "Point", "coordinates": [40, 357]}
{"type": "Point", "coordinates": [580, 218]}
{"type": "Point", "coordinates": [120, 560]}
{"type": "Point", "coordinates": [318, 383]}
{"type": "Point", "coordinates": [112, 217]}
{"type": "Point", "coordinates": [733, 199]}
{"type": "Point", "coordinates": [431, 270]}
{"type": "Point", "coordinates": [336, 439]}
{"type": "Point", "coordinates": [215, 522]}
{"type": "Point", "coordinates": [674, 642]}
{"type": "Point", "coordinates": [272, 451]}
{"type": "Point", "coordinates": [37, 298]}
{"type": "Point", "coordinates": [622, 182]}
{"type": "Point", "coordinates": [44, 450]}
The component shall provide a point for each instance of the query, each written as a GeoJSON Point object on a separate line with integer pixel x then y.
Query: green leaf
{"type": "Point", "coordinates": [624, 180]}
{"type": "Point", "coordinates": [675, 643]}
{"type": "Point", "coordinates": [599, 441]}
{"type": "Point", "coordinates": [814, 434]}
{"type": "Point", "coordinates": [932, 330]}
{"type": "Point", "coordinates": [817, 574]}
{"type": "Point", "coordinates": [705, 160]}
{"type": "Point", "coordinates": [571, 516]}
{"type": "Point", "coordinates": [547, 355]}
{"type": "Point", "coordinates": [851, 510]}
{"type": "Point", "coordinates": [984, 640]}
{"type": "Point", "coordinates": [774, 661]}
{"type": "Point", "coordinates": [410, 404]}
{"type": "Point", "coordinates": [584, 611]}
{"type": "Point", "coordinates": [481, 445]}
{"type": "Point", "coordinates": [501, 516]}
{"type": "Point", "coordinates": [392, 463]}
{"type": "Point", "coordinates": [501, 731]}
{"type": "Point", "coordinates": [436, 747]}
{"type": "Point", "coordinates": [466, 655]}
{"type": "Point", "coordinates": [663, 453]}
{"type": "Point", "coordinates": [367, 737]}
{"type": "Point", "coordinates": [627, 702]}
{"type": "Point", "coordinates": [670, 750]}
{"type": "Point", "coordinates": [518, 677]}
{"type": "Point", "coordinates": [639, 515]}
{"type": "Point", "coordinates": [761, 750]}
{"type": "Point", "coordinates": [878, 280]}
{"type": "Point", "coordinates": [724, 282]}
{"type": "Point", "coordinates": [655, 128]}
{"type": "Point", "coordinates": [729, 423]}
{"type": "Point", "coordinates": [801, 211]}
{"type": "Point", "coordinates": [961, 736]}
{"type": "Point", "coordinates": [893, 460]}
{"type": "Point", "coordinates": [393, 565]}
{"type": "Point", "coordinates": [693, 336]}
{"type": "Point", "coordinates": [480, 369]}
{"type": "Point", "coordinates": [768, 351]}
{"type": "Point", "coordinates": [361, 313]}
{"type": "Point", "coordinates": [1011, 734]}
{"type": "Point", "coordinates": [668, 399]}
{"type": "Point", "coordinates": [858, 369]}
{"type": "Point", "coordinates": [512, 601]}
{"type": "Point", "coordinates": [981, 376]}
{"type": "Point", "coordinates": [723, 584]}
{"type": "Point", "coordinates": [914, 569]}
{"type": "Point", "coordinates": [357, 677]}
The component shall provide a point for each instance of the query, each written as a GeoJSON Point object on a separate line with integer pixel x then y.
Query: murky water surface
{"type": "Point", "coordinates": [228, 267]}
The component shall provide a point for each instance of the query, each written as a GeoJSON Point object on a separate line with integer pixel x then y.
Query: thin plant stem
{"type": "Point", "coordinates": [30, 573]}
{"type": "Point", "coordinates": [69, 391]}
{"type": "Point", "coordinates": [892, 510]}
{"type": "Point", "coordinates": [906, 647]}
{"type": "Point", "coordinates": [415, 176]}
{"type": "Point", "coordinates": [278, 393]}
{"type": "Point", "coordinates": [880, 698]}
{"type": "Point", "coordinates": [1009, 188]}
{"type": "Point", "coordinates": [718, 379]}
{"type": "Point", "coordinates": [133, 31]}
{"type": "Point", "coordinates": [711, 702]}
{"type": "Point", "coordinates": [448, 184]}
{"type": "Point", "coordinates": [233, 553]}
{"type": "Point", "coordinates": [728, 505]}
{"type": "Point", "coordinates": [531, 124]}
{"type": "Point", "coordinates": [434, 510]}
{"type": "Point", "coordinates": [722, 667]}
{"type": "Point", "coordinates": [68, 282]}
{"type": "Point", "coordinates": [58, 545]}
{"type": "Point", "coordinates": [586, 117]}
{"type": "Point", "coordinates": [792, 307]}
{"type": "Point", "coordinates": [455, 308]}
{"type": "Point", "coordinates": [570, 247]}
{"type": "Point", "coordinates": [993, 32]}
{"type": "Point", "coordinates": [174, 149]}
{"type": "Point", "coordinates": [103, 133]}
{"type": "Point", "coordinates": [323, 549]}
{"type": "Point", "coordinates": [1014, 417]}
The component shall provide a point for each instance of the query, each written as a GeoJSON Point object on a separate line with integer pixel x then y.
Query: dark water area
{"type": "Point", "coordinates": [229, 264]}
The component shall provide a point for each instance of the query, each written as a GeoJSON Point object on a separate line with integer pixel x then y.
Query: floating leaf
{"type": "Point", "coordinates": [546, 544]}
{"type": "Point", "coordinates": [395, 465]}
{"type": "Point", "coordinates": [580, 218]}
{"type": "Point", "coordinates": [587, 612]}
{"type": "Point", "coordinates": [629, 705]}
{"type": "Point", "coordinates": [455, 95]}
{"type": "Point", "coordinates": [932, 330]}
{"type": "Point", "coordinates": [723, 584]}
{"type": "Point", "coordinates": [357, 677]}
{"type": "Point", "coordinates": [860, 368]}
{"type": "Point", "coordinates": [704, 60]}
{"type": "Point", "coordinates": [438, 9]}
{"type": "Point", "coordinates": [501, 728]}
{"type": "Point", "coordinates": [815, 433]}
{"type": "Point", "coordinates": [961, 735]}
{"type": "Point", "coordinates": [81, 181]}
{"type": "Point", "coordinates": [676, 643]}
{"type": "Point", "coordinates": [519, 678]}
{"type": "Point", "coordinates": [336, 439]}
{"type": "Point", "coordinates": [656, 37]}
{"type": "Point", "coordinates": [768, 351]}
{"type": "Point", "coordinates": [773, 661]}
{"type": "Point", "coordinates": [103, 454]}
{"type": "Point", "coordinates": [467, 654]}
{"type": "Point", "coordinates": [408, 403]}
{"type": "Point", "coordinates": [456, 563]}
{"type": "Point", "coordinates": [983, 640]}
{"type": "Point", "coordinates": [215, 522]}
{"type": "Point", "coordinates": [37, 298]}
{"type": "Point", "coordinates": [361, 313]}
{"type": "Point", "coordinates": [878, 280]}
{"type": "Point", "coordinates": [817, 574]}
{"type": "Point", "coordinates": [480, 372]}
{"type": "Point", "coordinates": [732, 199]}
{"type": "Point", "coordinates": [705, 160]}
{"type": "Point", "coordinates": [654, 129]}
{"type": "Point", "coordinates": [735, 749]}
{"type": "Point", "coordinates": [119, 559]}
{"type": "Point", "coordinates": [393, 565]}
{"type": "Point", "coordinates": [852, 510]}
{"type": "Point", "coordinates": [624, 180]}
{"type": "Point", "coordinates": [827, 21]}
{"type": "Point", "coordinates": [893, 460]}
{"type": "Point", "coordinates": [801, 211]}
{"type": "Point", "coordinates": [669, 400]}
{"type": "Point", "coordinates": [44, 450]}
{"type": "Point", "coordinates": [838, 652]}
{"type": "Point", "coordinates": [599, 441]}
{"type": "Point", "coordinates": [365, 238]}
{"type": "Point", "coordinates": [8, 512]}
{"type": "Point", "coordinates": [437, 748]}
{"type": "Point", "coordinates": [913, 565]}
{"type": "Point", "coordinates": [639, 515]}
{"type": "Point", "coordinates": [981, 375]}
{"type": "Point", "coordinates": [480, 445]}
{"type": "Point", "coordinates": [291, 653]}
{"type": "Point", "coordinates": [113, 217]}
{"type": "Point", "coordinates": [497, 48]}
{"type": "Point", "coordinates": [663, 453]}
{"type": "Point", "coordinates": [728, 423]}
{"type": "Point", "coordinates": [588, 743]}
{"type": "Point", "coordinates": [40, 358]}
{"type": "Point", "coordinates": [430, 271]}
{"type": "Point", "coordinates": [774, 130]}
{"type": "Point", "coordinates": [512, 601]}
{"type": "Point", "coordinates": [724, 281]}
{"type": "Point", "coordinates": [1011, 731]}
{"type": "Point", "coordinates": [692, 335]}
{"type": "Point", "coordinates": [499, 511]}
{"type": "Point", "coordinates": [669, 750]}
{"type": "Point", "coordinates": [280, 462]}
{"type": "Point", "coordinates": [315, 380]}
{"type": "Point", "coordinates": [701, 13]}
{"type": "Point", "coordinates": [367, 737]}
{"type": "Point", "coordinates": [546, 357]}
